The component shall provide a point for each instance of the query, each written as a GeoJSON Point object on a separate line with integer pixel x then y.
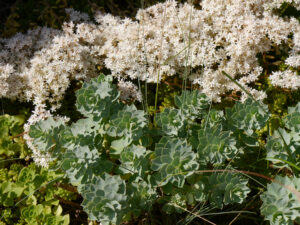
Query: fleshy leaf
{"type": "Point", "coordinates": [281, 201]}
{"type": "Point", "coordinates": [128, 122]}
{"type": "Point", "coordinates": [292, 120]}
{"type": "Point", "coordinates": [247, 116]}
{"type": "Point", "coordinates": [45, 134]}
{"type": "Point", "coordinates": [174, 160]}
{"type": "Point", "coordinates": [81, 164]}
{"type": "Point", "coordinates": [135, 160]}
{"type": "Point", "coordinates": [98, 97]}
{"type": "Point", "coordinates": [104, 199]}
{"type": "Point", "coordinates": [214, 145]}
{"type": "Point", "coordinates": [276, 148]}
{"type": "Point", "coordinates": [141, 197]}
{"type": "Point", "coordinates": [192, 103]}
{"type": "Point", "coordinates": [171, 121]}
{"type": "Point", "coordinates": [226, 188]}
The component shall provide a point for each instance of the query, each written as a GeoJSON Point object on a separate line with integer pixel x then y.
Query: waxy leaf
{"type": "Point", "coordinates": [174, 161]}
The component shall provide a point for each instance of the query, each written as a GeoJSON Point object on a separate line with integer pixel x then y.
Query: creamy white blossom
{"type": "Point", "coordinates": [129, 91]}
{"type": "Point", "coordinates": [163, 40]}
{"type": "Point", "coordinates": [222, 36]}
{"type": "Point", "coordinates": [286, 79]}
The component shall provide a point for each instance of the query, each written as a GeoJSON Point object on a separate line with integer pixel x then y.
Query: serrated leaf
{"type": "Point", "coordinates": [104, 199]}
{"type": "Point", "coordinates": [214, 145]}
{"type": "Point", "coordinates": [192, 103]}
{"type": "Point", "coordinates": [171, 121]}
{"type": "Point", "coordinates": [174, 160]}
{"type": "Point", "coordinates": [247, 116]}
{"type": "Point", "coordinates": [281, 202]}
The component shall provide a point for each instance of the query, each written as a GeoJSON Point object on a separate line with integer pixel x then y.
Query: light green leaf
{"type": "Point", "coordinates": [281, 202]}
{"type": "Point", "coordinates": [192, 103]}
{"type": "Point", "coordinates": [214, 145]}
{"type": "Point", "coordinates": [171, 121]}
{"type": "Point", "coordinates": [247, 116]}
{"type": "Point", "coordinates": [174, 161]}
{"type": "Point", "coordinates": [104, 199]}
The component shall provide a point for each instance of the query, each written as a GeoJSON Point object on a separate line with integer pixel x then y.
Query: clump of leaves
{"type": "Point", "coordinates": [122, 166]}
{"type": "Point", "coordinates": [27, 194]}
{"type": "Point", "coordinates": [281, 201]}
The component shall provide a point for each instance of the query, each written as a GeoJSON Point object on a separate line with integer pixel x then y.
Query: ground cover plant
{"type": "Point", "coordinates": [20, 202]}
{"type": "Point", "coordinates": [122, 166]}
{"type": "Point", "coordinates": [193, 120]}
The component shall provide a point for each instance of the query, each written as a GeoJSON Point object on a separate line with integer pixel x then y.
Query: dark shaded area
{"type": "Point", "coordinates": [5, 9]}
{"type": "Point", "coordinates": [21, 15]}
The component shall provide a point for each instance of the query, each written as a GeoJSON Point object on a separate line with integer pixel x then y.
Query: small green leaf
{"type": "Point", "coordinates": [292, 120]}
{"type": "Point", "coordinates": [247, 116]}
{"type": "Point", "coordinates": [128, 122]}
{"type": "Point", "coordinates": [98, 97]}
{"type": "Point", "coordinates": [276, 147]}
{"type": "Point", "coordinates": [226, 188]}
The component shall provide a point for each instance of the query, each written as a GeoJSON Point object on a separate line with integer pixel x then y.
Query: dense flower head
{"type": "Point", "coordinates": [163, 40]}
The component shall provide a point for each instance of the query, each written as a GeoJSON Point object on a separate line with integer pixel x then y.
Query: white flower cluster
{"type": "Point", "coordinates": [38, 66]}
{"type": "Point", "coordinates": [164, 40]}
{"type": "Point", "coordinates": [129, 92]}
{"type": "Point", "coordinates": [286, 79]}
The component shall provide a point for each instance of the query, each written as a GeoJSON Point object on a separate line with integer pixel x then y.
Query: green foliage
{"type": "Point", "coordinates": [174, 160]}
{"type": "Point", "coordinates": [122, 165]}
{"type": "Point", "coordinates": [97, 98]}
{"type": "Point", "coordinates": [248, 116]}
{"type": "Point", "coordinates": [283, 139]}
{"type": "Point", "coordinates": [27, 194]}
{"type": "Point", "coordinates": [33, 207]}
{"type": "Point", "coordinates": [281, 201]}
{"type": "Point", "coordinates": [129, 123]}
{"type": "Point", "coordinates": [10, 143]}
{"type": "Point", "coordinates": [192, 103]}
{"type": "Point", "coordinates": [104, 198]}
{"type": "Point", "coordinates": [102, 144]}
{"type": "Point", "coordinates": [171, 121]}
{"type": "Point", "coordinates": [45, 133]}
{"type": "Point", "coordinates": [224, 188]}
{"type": "Point", "coordinates": [214, 145]}
{"type": "Point", "coordinates": [135, 161]}
{"type": "Point", "coordinates": [292, 119]}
